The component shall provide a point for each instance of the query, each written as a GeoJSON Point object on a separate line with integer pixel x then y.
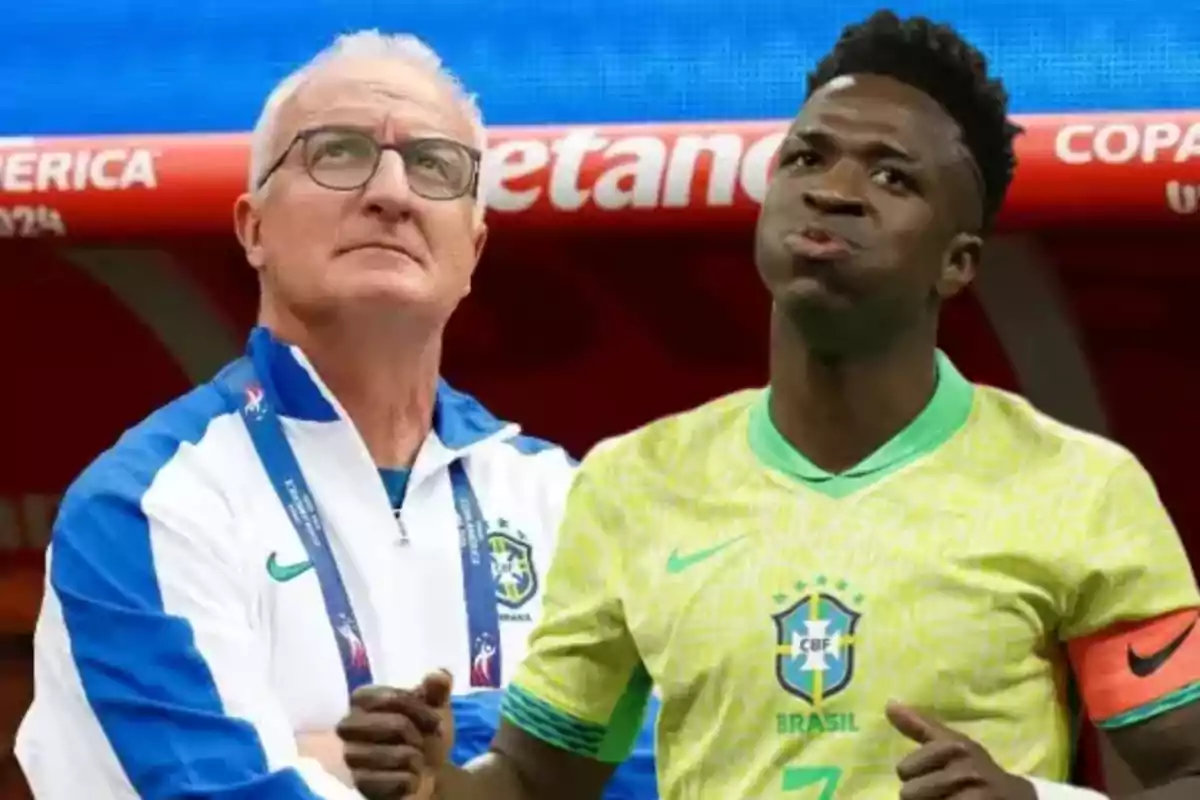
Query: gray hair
{"type": "Point", "coordinates": [363, 45]}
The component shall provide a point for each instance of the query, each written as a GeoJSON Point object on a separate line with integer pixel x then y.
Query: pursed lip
{"type": "Point", "coordinates": [818, 242]}
{"type": "Point", "coordinates": [830, 231]}
{"type": "Point", "coordinates": [395, 247]}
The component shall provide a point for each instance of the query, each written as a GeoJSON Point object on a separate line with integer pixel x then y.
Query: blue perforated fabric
{"type": "Point", "coordinates": [80, 66]}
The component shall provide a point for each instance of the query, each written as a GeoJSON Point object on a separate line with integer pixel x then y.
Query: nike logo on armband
{"type": "Point", "coordinates": [286, 572]}
{"type": "Point", "coordinates": [1145, 666]}
{"type": "Point", "coordinates": [678, 562]}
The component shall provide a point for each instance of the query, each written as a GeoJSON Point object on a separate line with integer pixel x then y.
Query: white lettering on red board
{"type": "Point", "coordinates": [635, 171]}
{"type": "Point", "coordinates": [30, 222]}
{"type": "Point", "coordinates": [23, 171]}
{"type": "Point", "coordinates": [1125, 142]}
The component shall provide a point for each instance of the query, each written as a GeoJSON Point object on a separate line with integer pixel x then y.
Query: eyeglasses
{"type": "Point", "coordinates": [345, 159]}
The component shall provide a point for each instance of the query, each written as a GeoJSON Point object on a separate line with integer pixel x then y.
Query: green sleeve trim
{"type": "Point", "coordinates": [565, 731]}
{"type": "Point", "coordinates": [1170, 702]}
{"type": "Point", "coordinates": [611, 743]}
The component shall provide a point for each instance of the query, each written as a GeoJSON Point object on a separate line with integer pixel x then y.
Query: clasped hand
{"type": "Point", "coordinates": [396, 739]}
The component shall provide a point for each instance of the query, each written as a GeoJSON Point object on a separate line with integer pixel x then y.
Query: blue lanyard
{"type": "Point", "coordinates": [240, 384]}
{"type": "Point", "coordinates": [479, 583]}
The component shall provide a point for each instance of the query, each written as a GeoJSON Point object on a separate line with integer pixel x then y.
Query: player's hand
{"type": "Point", "coordinates": [948, 765]}
{"type": "Point", "coordinates": [396, 739]}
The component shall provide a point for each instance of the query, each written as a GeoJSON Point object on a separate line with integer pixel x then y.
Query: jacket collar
{"type": "Point", "coordinates": [290, 381]}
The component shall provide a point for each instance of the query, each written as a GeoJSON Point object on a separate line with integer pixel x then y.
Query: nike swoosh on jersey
{"type": "Point", "coordinates": [1145, 666]}
{"type": "Point", "coordinates": [286, 572]}
{"type": "Point", "coordinates": [678, 563]}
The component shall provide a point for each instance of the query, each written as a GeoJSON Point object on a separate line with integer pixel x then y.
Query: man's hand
{"type": "Point", "coordinates": [396, 739]}
{"type": "Point", "coordinates": [949, 765]}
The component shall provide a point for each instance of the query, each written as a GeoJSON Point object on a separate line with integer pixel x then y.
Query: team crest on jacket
{"type": "Point", "coordinates": [512, 566]}
{"type": "Point", "coordinates": [815, 644]}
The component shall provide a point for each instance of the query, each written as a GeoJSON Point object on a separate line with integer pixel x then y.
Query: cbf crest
{"type": "Point", "coordinates": [815, 646]}
{"type": "Point", "coordinates": [512, 566]}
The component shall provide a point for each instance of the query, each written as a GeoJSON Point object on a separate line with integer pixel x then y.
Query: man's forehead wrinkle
{"type": "Point", "coordinates": [355, 88]}
{"type": "Point", "coordinates": [360, 93]}
{"type": "Point", "coordinates": [334, 92]}
{"type": "Point", "coordinates": [371, 88]}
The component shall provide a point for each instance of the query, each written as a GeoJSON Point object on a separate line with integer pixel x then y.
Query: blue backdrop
{"type": "Point", "coordinates": [110, 66]}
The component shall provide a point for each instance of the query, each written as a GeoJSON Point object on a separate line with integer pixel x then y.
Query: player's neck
{"type": "Point", "coordinates": [836, 412]}
{"type": "Point", "coordinates": [385, 379]}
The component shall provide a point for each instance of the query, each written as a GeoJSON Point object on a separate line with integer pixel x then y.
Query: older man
{"type": "Point", "coordinates": [237, 564]}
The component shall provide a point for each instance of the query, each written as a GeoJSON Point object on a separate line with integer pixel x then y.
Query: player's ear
{"type": "Point", "coordinates": [247, 224]}
{"type": "Point", "coordinates": [959, 265]}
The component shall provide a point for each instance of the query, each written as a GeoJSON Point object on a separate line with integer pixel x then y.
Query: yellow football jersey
{"type": "Point", "coordinates": [777, 608]}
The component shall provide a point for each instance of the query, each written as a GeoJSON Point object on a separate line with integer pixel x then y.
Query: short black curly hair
{"type": "Point", "coordinates": [937, 60]}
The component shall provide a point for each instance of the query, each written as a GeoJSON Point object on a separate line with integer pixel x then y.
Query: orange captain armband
{"type": "Point", "coordinates": [1137, 670]}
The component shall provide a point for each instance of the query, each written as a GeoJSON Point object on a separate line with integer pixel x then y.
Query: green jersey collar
{"type": "Point", "coordinates": [946, 412]}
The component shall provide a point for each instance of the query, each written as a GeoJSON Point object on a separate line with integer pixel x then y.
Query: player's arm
{"type": "Point", "coordinates": [523, 767]}
{"type": "Point", "coordinates": [148, 627]}
{"type": "Point", "coordinates": [1134, 641]}
{"type": "Point", "coordinates": [575, 707]}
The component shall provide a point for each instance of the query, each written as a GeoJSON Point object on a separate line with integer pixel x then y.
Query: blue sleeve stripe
{"type": "Point", "coordinates": [531, 446]}
{"type": "Point", "coordinates": [476, 719]}
{"type": "Point", "coordinates": [477, 716]}
{"type": "Point", "coordinates": [148, 685]}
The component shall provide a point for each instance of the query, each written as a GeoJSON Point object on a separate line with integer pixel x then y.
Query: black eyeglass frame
{"type": "Point", "coordinates": [400, 148]}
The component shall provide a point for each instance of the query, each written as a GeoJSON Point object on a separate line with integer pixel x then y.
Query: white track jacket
{"type": "Point", "coordinates": [181, 645]}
